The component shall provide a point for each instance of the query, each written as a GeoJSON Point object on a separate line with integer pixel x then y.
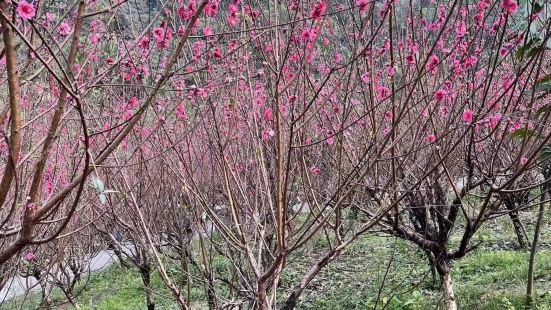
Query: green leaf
{"type": "Point", "coordinates": [545, 80]}
{"type": "Point", "coordinates": [521, 133]}
{"type": "Point", "coordinates": [543, 111]}
{"type": "Point", "coordinates": [536, 8]}
{"type": "Point", "coordinates": [542, 85]}
{"type": "Point", "coordinates": [532, 52]}
{"type": "Point", "coordinates": [526, 48]}
{"type": "Point", "coordinates": [545, 152]}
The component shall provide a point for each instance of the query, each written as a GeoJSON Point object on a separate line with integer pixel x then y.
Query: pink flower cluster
{"type": "Point", "coordinates": [510, 6]}
{"type": "Point", "coordinates": [25, 10]}
{"type": "Point", "coordinates": [467, 116]}
{"type": "Point", "coordinates": [318, 10]}
{"type": "Point", "coordinates": [233, 10]}
{"type": "Point", "coordinates": [187, 12]}
{"type": "Point", "coordinates": [162, 36]}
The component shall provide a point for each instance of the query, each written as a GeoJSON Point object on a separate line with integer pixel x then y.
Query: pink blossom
{"type": "Point", "coordinates": [470, 62]}
{"type": "Point", "coordinates": [440, 94]}
{"type": "Point", "coordinates": [461, 29]}
{"type": "Point", "coordinates": [292, 99]}
{"type": "Point", "coordinates": [382, 92]}
{"type": "Point", "coordinates": [233, 20]}
{"type": "Point", "coordinates": [217, 52]}
{"type": "Point", "coordinates": [391, 71]}
{"type": "Point", "coordinates": [365, 77]}
{"type": "Point", "coordinates": [233, 9]}
{"type": "Point", "coordinates": [483, 4]}
{"type": "Point", "coordinates": [268, 114]}
{"type": "Point", "coordinates": [267, 134]}
{"type": "Point", "coordinates": [432, 64]}
{"type": "Point", "coordinates": [410, 59]}
{"type": "Point", "coordinates": [414, 48]}
{"type": "Point", "coordinates": [388, 115]}
{"type": "Point", "coordinates": [467, 116]}
{"type": "Point", "coordinates": [134, 102]}
{"type": "Point", "coordinates": [309, 34]}
{"type": "Point", "coordinates": [523, 160]}
{"type": "Point", "coordinates": [362, 5]}
{"type": "Point", "coordinates": [50, 17]}
{"type": "Point", "coordinates": [187, 12]}
{"type": "Point", "coordinates": [30, 256]}
{"type": "Point", "coordinates": [95, 38]}
{"type": "Point", "coordinates": [211, 9]}
{"type": "Point", "coordinates": [431, 138]}
{"type": "Point", "coordinates": [510, 6]}
{"type": "Point", "coordinates": [25, 10]}
{"type": "Point", "coordinates": [144, 43]}
{"type": "Point", "coordinates": [162, 36]}
{"type": "Point", "coordinates": [64, 29]}
{"type": "Point", "coordinates": [339, 58]}
{"type": "Point", "coordinates": [208, 31]}
{"type": "Point", "coordinates": [330, 139]}
{"type": "Point", "coordinates": [202, 92]}
{"type": "Point", "coordinates": [315, 170]}
{"type": "Point", "coordinates": [318, 10]}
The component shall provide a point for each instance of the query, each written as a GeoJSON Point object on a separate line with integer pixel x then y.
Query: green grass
{"type": "Point", "coordinates": [490, 280]}
{"type": "Point", "coordinates": [484, 280]}
{"type": "Point", "coordinates": [113, 288]}
{"type": "Point", "coordinates": [492, 277]}
{"type": "Point", "coordinates": [118, 288]}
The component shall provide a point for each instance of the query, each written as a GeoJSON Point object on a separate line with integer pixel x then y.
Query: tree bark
{"type": "Point", "coordinates": [517, 224]}
{"type": "Point", "coordinates": [145, 272]}
{"type": "Point", "coordinates": [261, 295]}
{"type": "Point", "coordinates": [449, 301]}
{"type": "Point", "coordinates": [443, 265]}
{"type": "Point", "coordinates": [211, 293]}
{"type": "Point", "coordinates": [15, 138]}
{"type": "Point", "coordinates": [531, 264]}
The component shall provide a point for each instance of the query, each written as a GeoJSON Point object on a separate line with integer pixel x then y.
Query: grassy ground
{"type": "Point", "coordinates": [492, 277]}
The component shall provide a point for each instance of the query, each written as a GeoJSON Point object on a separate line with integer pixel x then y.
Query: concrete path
{"type": "Point", "coordinates": [19, 286]}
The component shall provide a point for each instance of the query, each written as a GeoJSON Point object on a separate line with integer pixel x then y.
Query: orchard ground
{"type": "Point", "coordinates": [491, 277]}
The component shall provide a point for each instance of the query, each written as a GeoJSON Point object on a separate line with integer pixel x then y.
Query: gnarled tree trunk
{"type": "Point", "coordinates": [449, 301]}
{"type": "Point", "coordinates": [532, 262]}
{"type": "Point", "coordinates": [517, 224]}
{"type": "Point", "coordinates": [145, 272]}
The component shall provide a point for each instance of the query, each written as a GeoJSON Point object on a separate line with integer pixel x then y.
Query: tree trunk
{"type": "Point", "coordinates": [517, 224]}
{"type": "Point", "coordinates": [45, 297]}
{"type": "Point", "coordinates": [211, 294]}
{"type": "Point", "coordinates": [292, 300]}
{"type": "Point", "coordinates": [532, 262]}
{"type": "Point", "coordinates": [261, 296]}
{"type": "Point", "coordinates": [539, 224]}
{"type": "Point", "coordinates": [443, 265]}
{"type": "Point", "coordinates": [145, 272]}
{"type": "Point", "coordinates": [449, 302]}
{"type": "Point", "coordinates": [432, 267]}
{"type": "Point", "coordinates": [118, 253]}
